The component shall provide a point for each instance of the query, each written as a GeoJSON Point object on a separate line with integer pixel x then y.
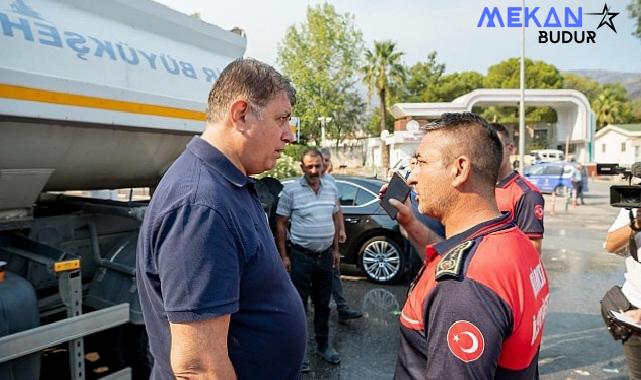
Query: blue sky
{"type": "Point", "coordinates": [447, 26]}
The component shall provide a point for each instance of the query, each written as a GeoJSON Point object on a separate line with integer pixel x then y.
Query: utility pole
{"type": "Point", "coordinates": [522, 102]}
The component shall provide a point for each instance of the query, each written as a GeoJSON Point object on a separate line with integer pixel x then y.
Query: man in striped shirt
{"type": "Point", "coordinates": [310, 206]}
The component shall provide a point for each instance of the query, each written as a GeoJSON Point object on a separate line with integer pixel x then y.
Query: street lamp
{"type": "Point", "coordinates": [324, 120]}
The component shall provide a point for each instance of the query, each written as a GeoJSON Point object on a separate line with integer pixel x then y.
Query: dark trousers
{"type": "Point", "coordinates": [578, 187]}
{"type": "Point", "coordinates": [312, 276]}
{"type": "Point", "coordinates": [632, 351]}
{"type": "Point", "coordinates": [337, 291]}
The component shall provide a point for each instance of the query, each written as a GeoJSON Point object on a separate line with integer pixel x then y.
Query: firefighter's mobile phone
{"type": "Point", "coordinates": [398, 189]}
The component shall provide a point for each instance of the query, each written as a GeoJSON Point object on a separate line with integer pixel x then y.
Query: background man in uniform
{"type": "Point", "coordinates": [208, 271]}
{"type": "Point", "coordinates": [311, 204]}
{"type": "Point", "coordinates": [344, 311]}
{"type": "Point", "coordinates": [517, 195]}
{"type": "Point", "coordinates": [477, 308]}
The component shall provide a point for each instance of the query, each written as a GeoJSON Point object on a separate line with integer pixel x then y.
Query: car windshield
{"type": "Point", "coordinates": [553, 170]}
{"type": "Point", "coordinates": [536, 170]}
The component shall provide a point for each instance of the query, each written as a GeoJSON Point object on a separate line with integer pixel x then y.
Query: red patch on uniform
{"type": "Point", "coordinates": [465, 341]}
{"type": "Point", "coordinates": [538, 212]}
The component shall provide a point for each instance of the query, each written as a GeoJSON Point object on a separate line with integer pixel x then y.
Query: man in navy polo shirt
{"type": "Point", "coordinates": [216, 299]}
{"type": "Point", "coordinates": [477, 308]}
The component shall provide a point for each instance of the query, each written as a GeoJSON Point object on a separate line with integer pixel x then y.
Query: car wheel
{"type": "Point", "coordinates": [382, 260]}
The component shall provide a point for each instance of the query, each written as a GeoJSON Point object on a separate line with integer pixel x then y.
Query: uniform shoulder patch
{"type": "Point", "coordinates": [452, 262]}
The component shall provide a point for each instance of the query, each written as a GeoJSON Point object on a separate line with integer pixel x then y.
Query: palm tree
{"type": "Point", "coordinates": [384, 73]}
{"type": "Point", "coordinates": [608, 108]}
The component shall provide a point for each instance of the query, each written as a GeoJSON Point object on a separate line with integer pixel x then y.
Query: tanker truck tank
{"type": "Point", "coordinates": [104, 93]}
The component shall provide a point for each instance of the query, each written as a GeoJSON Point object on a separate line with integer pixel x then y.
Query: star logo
{"type": "Point", "coordinates": [607, 17]}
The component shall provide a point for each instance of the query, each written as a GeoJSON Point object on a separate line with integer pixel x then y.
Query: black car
{"type": "Point", "coordinates": [374, 243]}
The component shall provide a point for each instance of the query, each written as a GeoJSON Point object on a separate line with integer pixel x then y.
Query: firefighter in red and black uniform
{"type": "Point", "coordinates": [477, 308]}
{"type": "Point", "coordinates": [518, 195]}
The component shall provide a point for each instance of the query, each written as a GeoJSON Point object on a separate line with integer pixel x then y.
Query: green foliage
{"type": "Point", "coordinates": [384, 74]}
{"type": "Point", "coordinates": [295, 151]}
{"type": "Point", "coordinates": [373, 125]}
{"type": "Point", "coordinates": [421, 79]}
{"type": "Point", "coordinates": [610, 107]}
{"type": "Point", "coordinates": [454, 85]}
{"type": "Point", "coordinates": [635, 111]}
{"type": "Point", "coordinates": [322, 56]}
{"type": "Point", "coordinates": [538, 74]}
{"type": "Point", "coordinates": [609, 102]}
{"type": "Point", "coordinates": [635, 12]}
{"type": "Point", "coordinates": [510, 115]}
{"type": "Point", "coordinates": [590, 88]}
{"type": "Point", "coordinates": [286, 167]}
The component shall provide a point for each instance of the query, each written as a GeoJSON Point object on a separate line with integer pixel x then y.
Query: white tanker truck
{"type": "Point", "coordinates": [93, 95]}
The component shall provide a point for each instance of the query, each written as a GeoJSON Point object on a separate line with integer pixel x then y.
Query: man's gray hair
{"type": "Point", "coordinates": [248, 79]}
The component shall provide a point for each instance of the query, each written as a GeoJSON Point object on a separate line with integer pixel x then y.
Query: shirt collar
{"type": "Point", "coordinates": [503, 221]}
{"type": "Point", "coordinates": [506, 181]}
{"type": "Point", "coordinates": [303, 181]}
{"type": "Point", "coordinates": [214, 158]}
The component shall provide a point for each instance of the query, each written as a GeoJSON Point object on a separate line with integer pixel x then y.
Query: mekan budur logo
{"type": "Point", "coordinates": [560, 25]}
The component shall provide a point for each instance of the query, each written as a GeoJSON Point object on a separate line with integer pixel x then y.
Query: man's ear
{"type": "Point", "coordinates": [461, 171]}
{"type": "Point", "coordinates": [238, 113]}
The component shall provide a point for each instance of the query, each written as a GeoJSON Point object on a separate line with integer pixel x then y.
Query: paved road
{"type": "Point", "coordinates": [575, 343]}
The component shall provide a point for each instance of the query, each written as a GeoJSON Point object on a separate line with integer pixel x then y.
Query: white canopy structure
{"type": "Point", "coordinates": [576, 121]}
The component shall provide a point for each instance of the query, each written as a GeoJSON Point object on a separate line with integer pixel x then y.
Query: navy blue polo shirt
{"type": "Point", "coordinates": [205, 250]}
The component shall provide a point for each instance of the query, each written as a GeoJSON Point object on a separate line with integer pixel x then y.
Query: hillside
{"type": "Point", "coordinates": [631, 81]}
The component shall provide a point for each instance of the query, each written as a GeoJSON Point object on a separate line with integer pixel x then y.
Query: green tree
{"type": "Point", "coordinates": [590, 88]}
{"type": "Point", "coordinates": [421, 78]}
{"type": "Point", "coordinates": [635, 12]}
{"type": "Point", "coordinates": [321, 56]}
{"type": "Point", "coordinates": [451, 86]}
{"type": "Point", "coordinates": [635, 110]}
{"type": "Point", "coordinates": [345, 118]}
{"type": "Point", "coordinates": [538, 74]}
{"type": "Point", "coordinates": [384, 73]}
{"type": "Point", "coordinates": [609, 107]}
{"type": "Point", "coordinates": [610, 102]}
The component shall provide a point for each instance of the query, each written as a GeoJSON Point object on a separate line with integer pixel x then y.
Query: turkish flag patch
{"type": "Point", "coordinates": [465, 341]}
{"type": "Point", "coordinates": [538, 212]}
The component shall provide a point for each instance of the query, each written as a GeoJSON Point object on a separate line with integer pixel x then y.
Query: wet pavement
{"type": "Point", "coordinates": [575, 342]}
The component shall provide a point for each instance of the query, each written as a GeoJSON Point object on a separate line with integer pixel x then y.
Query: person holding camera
{"type": "Point", "coordinates": [624, 235]}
